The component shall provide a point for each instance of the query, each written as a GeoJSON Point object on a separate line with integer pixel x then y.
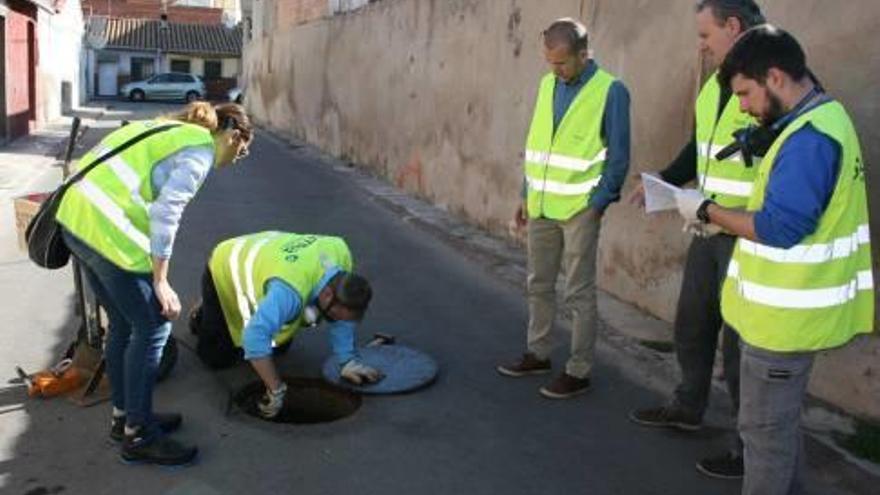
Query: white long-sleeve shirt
{"type": "Point", "coordinates": [176, 179]}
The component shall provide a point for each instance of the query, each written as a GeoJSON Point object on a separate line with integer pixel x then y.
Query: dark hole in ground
{"type": "Point", "coordinates": [308, 400]}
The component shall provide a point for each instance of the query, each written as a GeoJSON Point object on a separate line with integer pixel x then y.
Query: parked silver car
{"type": "Point", "coordinates": [166, 86]}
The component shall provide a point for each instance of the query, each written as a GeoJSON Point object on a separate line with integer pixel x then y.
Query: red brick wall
{"type": "Point", "coordinates": [293, 12]}
{"type": "Point", "coordinates": [151, 9]}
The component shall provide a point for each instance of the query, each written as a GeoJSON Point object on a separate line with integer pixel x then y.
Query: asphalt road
{"type": "Point", "coordinates": [472, 432]}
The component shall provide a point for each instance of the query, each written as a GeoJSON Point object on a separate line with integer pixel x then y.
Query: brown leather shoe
{"type": "Point", "coordinates": [565, 386]}
{"type": "Point", "coordinates": [528, 364]}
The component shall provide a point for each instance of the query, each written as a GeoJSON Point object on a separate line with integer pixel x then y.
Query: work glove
{"type": "Point", "coordinates": [271, 402]}
{"type": "Point", "coordinates": [688, 202]}
{"type": "Point", "coordinates": [701, 229]}
{"type": "Point", "coordinates": [357, 372]}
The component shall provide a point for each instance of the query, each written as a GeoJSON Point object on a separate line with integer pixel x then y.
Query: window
{"type": "Point", "coordinates": [141, 68]}
{"type": "Point", "coordinates": [213, 69]}
{"type": "Point", "coordinates": [194, 3]}
{"type": "Point", "coordinates": [161, 78]}
{"type": "Point", "coordinates": [180, 66]}
{"type": "Point", "coordinates": [181, 78]}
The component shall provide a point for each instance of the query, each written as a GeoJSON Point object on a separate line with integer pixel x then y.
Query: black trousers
{"type": "Point", "coordinates": [215, 347]}
{"type": "Point", "coordinates": [698, 324]}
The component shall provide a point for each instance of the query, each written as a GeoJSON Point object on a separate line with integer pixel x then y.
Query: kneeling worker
{"type": "Point", "coordinates": [260, 289]}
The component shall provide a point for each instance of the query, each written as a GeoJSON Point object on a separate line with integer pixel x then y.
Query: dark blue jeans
{"type": "Point", "coordinates": [137, 333]}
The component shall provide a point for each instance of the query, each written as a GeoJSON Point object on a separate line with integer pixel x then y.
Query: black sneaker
{"type": "Point", "coordinates": [727, 466]}
{"type": "Point", "coordinates": [167, 422]}
{"type": "Point", "coordinates": [667, 417]}
{"type": "Point", "coordinates": [156, 449]}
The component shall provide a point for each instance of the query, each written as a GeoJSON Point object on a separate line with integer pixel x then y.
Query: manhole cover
{"type": "Point", "coordinates": [308, 400]}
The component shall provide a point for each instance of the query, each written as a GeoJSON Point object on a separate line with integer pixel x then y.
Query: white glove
{"type": "Point", "coordinates": [357, 372]}
{"type": "Point", "coordinates": [701, 229]}
{"type": "Point", "coordinates": [271, 402]}
{"type": "Point", "coordinates": [688, 202]}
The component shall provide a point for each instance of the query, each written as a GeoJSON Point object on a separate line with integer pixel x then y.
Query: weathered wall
{"type": "Point", "coordinates": [60, 40]}
{"type": "Point", "coordinates": [435, 95]}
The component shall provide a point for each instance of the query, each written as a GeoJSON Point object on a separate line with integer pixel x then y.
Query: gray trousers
{"type": "Point", "coordinates": [772, 390]}
{"type": "Point", "coordinates": [571, 244]}
{"type": "Point", "coordinates": [698, 324]}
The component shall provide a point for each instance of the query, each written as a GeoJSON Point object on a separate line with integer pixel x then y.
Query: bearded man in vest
{"type": "Point", "coordinates": [800, 278]}
{"type": "Point", "coordinates": [698, 322]}
{"type": "Point", "coordinates": [576, 159]}
{"type": "Point", "coordinates": [260, 289]}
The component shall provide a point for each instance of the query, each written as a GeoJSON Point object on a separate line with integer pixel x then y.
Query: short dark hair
{"type": "Point", "coordinates": [568, 32]}
{"type": "Point", "coordinates": [746, 11]}
{"type": "Point", "coordinates": [758, 50]}
{"type": "Point", "coordinates": [354, 292]}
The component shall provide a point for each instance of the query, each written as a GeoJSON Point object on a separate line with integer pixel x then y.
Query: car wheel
{"type": "Point", "coordinates": [192, 96]}
{"type": "Point", "coordinates": [136, 95]}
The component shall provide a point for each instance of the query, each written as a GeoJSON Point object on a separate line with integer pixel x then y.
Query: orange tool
{"type": "Point", "coordinates": [61, 378]}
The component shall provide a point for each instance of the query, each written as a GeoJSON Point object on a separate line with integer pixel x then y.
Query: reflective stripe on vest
{"type": "Point", "coordinates": [818, 294]}
{"type": "Point", "coordinates": [241, 267]}
{"type": "Point", "coordinates": [564, 167]}
{"type": "Point", "coordinates": [109, 208]}
{"type": "Point", "coordinates": [728, 182]}
{"type": "Point", "coordinates": [802, 298]}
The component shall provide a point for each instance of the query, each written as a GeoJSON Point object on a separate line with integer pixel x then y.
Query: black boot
{"type": "Point", "coordinates": [167, 422]}
{"type": "Point", "coordinates": [156, 449]}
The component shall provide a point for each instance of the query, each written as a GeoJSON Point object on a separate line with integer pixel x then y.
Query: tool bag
{"type": "Point", "coordinates": [45, 245]}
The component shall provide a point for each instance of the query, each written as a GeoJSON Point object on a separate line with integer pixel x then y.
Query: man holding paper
{"type": "Point", "coordinates": [728, 182]}
{"type": "Point", "coordinates": [800, 279]}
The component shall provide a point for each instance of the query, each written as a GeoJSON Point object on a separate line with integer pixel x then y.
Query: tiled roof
{"type": "Point", "coordinates": [148, 35]}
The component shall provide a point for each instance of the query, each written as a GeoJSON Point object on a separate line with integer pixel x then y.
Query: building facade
{"type": "Point", "coordinates": [120, 50]}
{"type": "Point", "coordinates": [41, 42]}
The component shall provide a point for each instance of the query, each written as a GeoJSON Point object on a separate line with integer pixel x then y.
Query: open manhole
{"type": "Point", "coordinates": [308, 400]}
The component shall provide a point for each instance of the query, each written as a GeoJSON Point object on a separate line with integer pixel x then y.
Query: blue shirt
{"type": "Point", "coordinates": [799, 188]}
{"type": "Point", "coordinates": [282, 304]}
{"type": "Point", "coordinates": [615, 133]}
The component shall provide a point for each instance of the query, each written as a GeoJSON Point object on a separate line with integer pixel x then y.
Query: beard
{"type": "Point", "coordinates": [775, 109]}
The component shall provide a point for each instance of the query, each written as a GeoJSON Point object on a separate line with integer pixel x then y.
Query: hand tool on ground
{"type": "Point", "coordinates": [58, 379]}
{"type": "Point", "coordinates": [381, 339]}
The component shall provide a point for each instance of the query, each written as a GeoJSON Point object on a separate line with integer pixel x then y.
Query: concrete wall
{"type": "Point", "coordinates": [292, 13]}
{"type": "Point", "coordinates": [435, 95]}
{"type": "Point", "coordinates": [60, 40]}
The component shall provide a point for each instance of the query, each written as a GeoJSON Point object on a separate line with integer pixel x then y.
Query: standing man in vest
{"type": "Point", "coordinates": [260, 289]}
{"type": "Point", "coordinates": [800, 277]}
{"type": "Point", "coordinates": [728, 182]}
{"type": "Point", "coordinates": [576, 159]}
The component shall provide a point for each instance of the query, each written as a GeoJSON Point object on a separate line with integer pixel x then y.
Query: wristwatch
{"type": "Point", "coordinates": [702, 211]}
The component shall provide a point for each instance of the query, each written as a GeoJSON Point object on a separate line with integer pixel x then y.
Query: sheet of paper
{"type": "Point", "coordinates": [659, 195]}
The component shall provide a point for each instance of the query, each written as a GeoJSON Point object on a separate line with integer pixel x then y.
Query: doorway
{"type": "Point", "coordinates": [107, 83]}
